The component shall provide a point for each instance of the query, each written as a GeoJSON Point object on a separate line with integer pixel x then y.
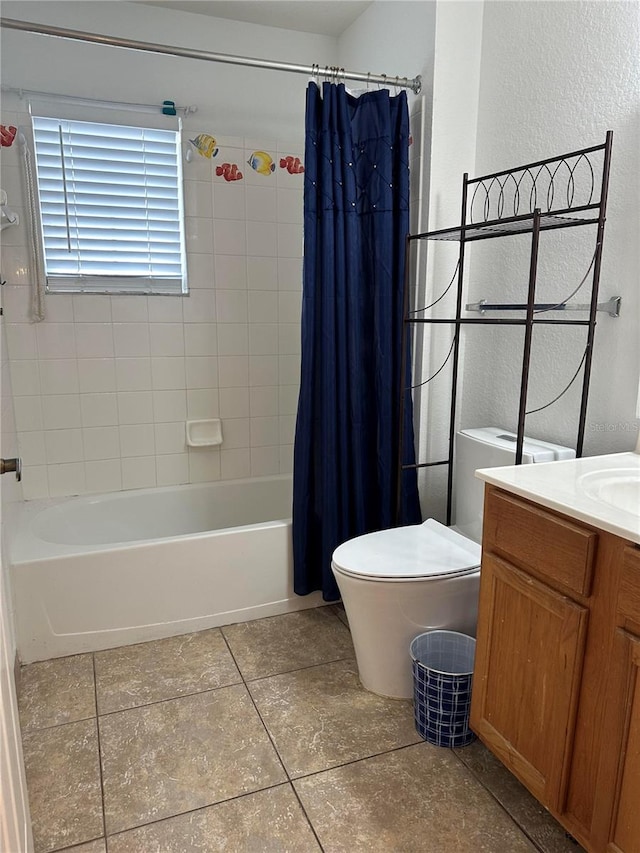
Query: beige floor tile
{"type": "Point", "coordinates": [269, 821]}
{"type": "Point", "coordinates": [534, 819]}
{"type": "Point", "coordinates": [414, 800]}
{"type": "Point", "coordinates": [163, 759]}
{"type": "Point", "coordinates": [340, 612]}
{"type": "Point", "coordinates": [98, 846]}
{"type": "Point", "coordinates": [63, 778]}
{"type": "Point", "coordinates": [321, 716]}
{"type": "Point", "coordinates": [56, 691]}
{"type": "Point", "coordinates": [164, 669]}
{"type": "Point", "coordinates": [284, 643]}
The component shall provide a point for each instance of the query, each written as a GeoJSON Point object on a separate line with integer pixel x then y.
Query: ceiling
{"type": "Point", "coordinates": [325, 17]}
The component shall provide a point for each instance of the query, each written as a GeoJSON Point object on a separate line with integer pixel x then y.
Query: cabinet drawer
{"type": "Point", "coordinates": [629, 591]}
{"type": "Point", "coordinates": [549, 546]}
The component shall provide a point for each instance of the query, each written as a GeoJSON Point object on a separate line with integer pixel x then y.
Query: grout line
{"type": "Point", "coordinates": [95, 693]}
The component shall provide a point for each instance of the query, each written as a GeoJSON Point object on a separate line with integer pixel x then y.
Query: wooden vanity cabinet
{"type": "Point", "coordinates": [556, 692]}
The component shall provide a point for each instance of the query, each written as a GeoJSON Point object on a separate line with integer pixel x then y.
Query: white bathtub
{"type": "Point", "coordinates": [95, 572]}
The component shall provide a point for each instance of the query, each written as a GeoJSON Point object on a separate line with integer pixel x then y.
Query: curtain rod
{"type": "Point", "coordinates": [100, 102]}
{"type": "Point", "coordinates": [331, 72]}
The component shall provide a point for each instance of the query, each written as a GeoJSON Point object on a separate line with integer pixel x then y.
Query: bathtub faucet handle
{"type": "Point", "coordinates": [7, 465]}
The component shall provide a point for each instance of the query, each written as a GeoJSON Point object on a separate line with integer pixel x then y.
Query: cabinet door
{"type": "Point", "coordinates": [529, 651]}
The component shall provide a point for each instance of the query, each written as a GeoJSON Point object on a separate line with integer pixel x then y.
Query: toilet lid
{"type": "Point", "coordinates": [418, 551]}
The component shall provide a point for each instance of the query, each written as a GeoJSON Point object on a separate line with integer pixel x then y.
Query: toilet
{"type": "Point", "coordinates": [398, 583]}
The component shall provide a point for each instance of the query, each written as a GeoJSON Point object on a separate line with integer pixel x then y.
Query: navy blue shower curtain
{"type": "Point", "coordinates": [356, 219]}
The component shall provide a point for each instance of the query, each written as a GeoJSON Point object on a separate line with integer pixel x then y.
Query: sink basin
{"type": "Point", "coordinates": [619, 488]}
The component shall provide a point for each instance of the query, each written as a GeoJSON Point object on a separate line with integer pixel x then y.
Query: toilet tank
{"type": "Point", "coordinates": [489, 447]}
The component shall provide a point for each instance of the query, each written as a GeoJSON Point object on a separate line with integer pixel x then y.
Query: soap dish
{"type": "Point", "coordinates": [205, 433]}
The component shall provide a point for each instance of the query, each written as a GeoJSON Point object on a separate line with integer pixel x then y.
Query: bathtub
{"type": "Point", "coordinates": [100, 571]}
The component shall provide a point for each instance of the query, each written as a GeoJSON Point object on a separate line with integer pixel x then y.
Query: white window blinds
{"type": "Point", "coordinates": [111, 206]}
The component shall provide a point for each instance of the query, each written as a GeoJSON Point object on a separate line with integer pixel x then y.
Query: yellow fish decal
{"type": "Point", "coordinates": [205, 145]}
{"type": "Point", "coordinates": [262, 163]}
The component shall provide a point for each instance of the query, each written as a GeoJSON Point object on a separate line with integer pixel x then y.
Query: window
{"type": "Point", "coordinates": [111, 207]}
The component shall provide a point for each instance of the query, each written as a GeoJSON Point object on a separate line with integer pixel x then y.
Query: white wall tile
{"type": "Point", "coordinates": [35, 482]}
{"type": "Point", "coordinates": [129, 309]}
{"type": "Point", "coordinates": [289, 307]}
{"type": "Point", "coordinates": [31, 448]}
{"type": "Point", "coordinates": [286, 429]}
{"type": "Point", "coordinates": [200, 271]}
{"type": "Point", "coordinates": [170, 438]}
{"type": "Point", "coordinates": [264, 401]}
{"type": "Point", "coordinates": [204, 464]}
{"type": "Point", "coordinates": [231, 306]}
{"type": "Point", "coordinates": [98, 409]}
{"type": "Point", "coordinates": [288, 399]}
{"type": "Point", "coordinates": [94, 340]}
{"type": "Point", "coordinates": [21, 341]}
{"type": "Point", "coordinates": [138, 473]}
{"type": "Point", "coordinates": [66, 479]}
{"type": "Point", "coordinates": [264, 431]}
{"type": "Point", "coordinates": [234, 403]}
{"type": "Point", "coordinates": [265, 461]}
{"type": "Point", "coordinates": [16, 303]}
{"type": "Point", "coordinates": [61, 411]}
{"type": "Point", "coordinates": [233, 371]}
{"type": "Point", "coordinates": [236, 433]}
{"type": "Point", "coordinates": [286, 459]}
{"type": "Point", "coordinates": [233, 339]}
{"type": "Point", "coordinates": [289, 342]}
{"type": "Point", "coordinates": [198, 199]}
{"type": "Point", "coordinates": [169, 406]}
{"type": "Point", "coordinates": [290, 205]}
{"type": "Point", "coordinates": [235, 464]}
{"type": "Point", "coordinates": [200, 339]}
{"type": "Point", "coordinates": [289, 369]}
{"type": "Point", "coordinates": [167, 339]}
{"type": "Point", "coordinates": [133, 374]}
{"type": "Point", "coordinates": [261, 203]}
{"type": "Point", "coordinates": [229, 200]}
{"type": "Point", "coordinates": [290, 274]}
{"type": "Point", "coordinates": [262, 273]}
{"type": "Point", "coordinates": [199, 307]}
{"type": "Point", "coordinates": [135, 407]}
{"type": "Point", "coordinates": [137, 440]}
{"type": "Point", "coordinates": [165, 309]}
{"type": "Point", "coordinates": [101, 443]}
{"type": "Point", "coordinates": [58, 308]}
{"type": "Point", "coordinates": [289, 241]}
{"type": "Point", "coordinates": [262, 239]}
{"type": "Point", "coordinates": [103, 476]}
{"type": "Point", "coordinates": [55, 340]}
{"type": "Point", "coordinates": [202, 371]}
{"type": "Point", "coordinates": [172, 469]}
{"type": "Point", "coordinates": [230, 272]}
{"type": "Point", "coordinates": [59, 376]}
{"type": "Point", "coordinates": [91, 308]}
{"type": "Point", "coordinates": [28, 413]}
{"type": "Point", "coordinates": [263, 338]}
{"type": "Point", "coordinates": [25, 377]}
{"type": "Point", "coordinates": [229, 237]}
{"type": "Point", "coordinates": [198, 234]}
{"type": "Point", "coordinates": [167, 374]}
{"type": "Point", "coordinates": [263, 306]}
{"type": "Point", "coordinates": [202, 403]}
{"type": "Point", "coordinates": [63, 445]}
{"type": "Point", "coordinates": [131, 340]}
{"type": "Point", "coordinates": [263, 370]}
{"type": "Point", "coordinates": [97, 375]}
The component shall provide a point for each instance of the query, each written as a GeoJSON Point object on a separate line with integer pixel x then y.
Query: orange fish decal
{"type": "Point", "coordinates": [292, 165]}
{"type": "Point", "coordinates": [229, 171]}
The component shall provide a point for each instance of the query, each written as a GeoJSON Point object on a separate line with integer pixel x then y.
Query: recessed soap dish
{"type": "Point", "coordinates": [205, 433]}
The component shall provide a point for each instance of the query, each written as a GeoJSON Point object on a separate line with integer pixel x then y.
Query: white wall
{"type": "Point", "coordinates": [103, 386]}
{"type": "Point", "coordinates": [555, 77]}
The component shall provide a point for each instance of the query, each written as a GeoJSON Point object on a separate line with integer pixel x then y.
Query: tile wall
{"type": "Point", "coordinates": [103, 387]}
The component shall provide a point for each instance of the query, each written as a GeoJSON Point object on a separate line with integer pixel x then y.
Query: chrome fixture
{"type": "Point", "coordinates": [8, 465]}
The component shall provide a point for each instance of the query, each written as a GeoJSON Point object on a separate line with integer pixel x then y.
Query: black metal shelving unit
{"type": "Point", "coordinates": [567, 191]}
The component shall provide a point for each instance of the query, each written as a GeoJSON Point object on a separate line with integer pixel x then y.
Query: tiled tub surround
{"type": "Point", "coordinates": [103, 386]}
{"type": "Point", "coordinates": [251, 738]}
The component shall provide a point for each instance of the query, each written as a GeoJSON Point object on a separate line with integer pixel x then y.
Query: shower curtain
{"type": "Point", "coordinates": [356, 218]}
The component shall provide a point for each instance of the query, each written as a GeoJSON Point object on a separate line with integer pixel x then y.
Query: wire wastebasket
{"type": "Point", "coordinates": [442, 678]}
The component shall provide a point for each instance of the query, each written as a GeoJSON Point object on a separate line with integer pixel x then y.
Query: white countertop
{"type": "Point", "coordinates": [570, 487]}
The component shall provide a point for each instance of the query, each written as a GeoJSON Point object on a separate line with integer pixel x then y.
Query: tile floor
{"type": "Point", "coordinates": [252, 738]}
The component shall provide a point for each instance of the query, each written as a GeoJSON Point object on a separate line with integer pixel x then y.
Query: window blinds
{"type": "Point", "coordinates": [111, 206]}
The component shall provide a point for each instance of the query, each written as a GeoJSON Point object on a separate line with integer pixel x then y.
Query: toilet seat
{"type": "Point", "coordinates": [421, 551]}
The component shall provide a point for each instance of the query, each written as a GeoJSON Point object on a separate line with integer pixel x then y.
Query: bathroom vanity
{"type": "Point", "coordinates": [556, 690]}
